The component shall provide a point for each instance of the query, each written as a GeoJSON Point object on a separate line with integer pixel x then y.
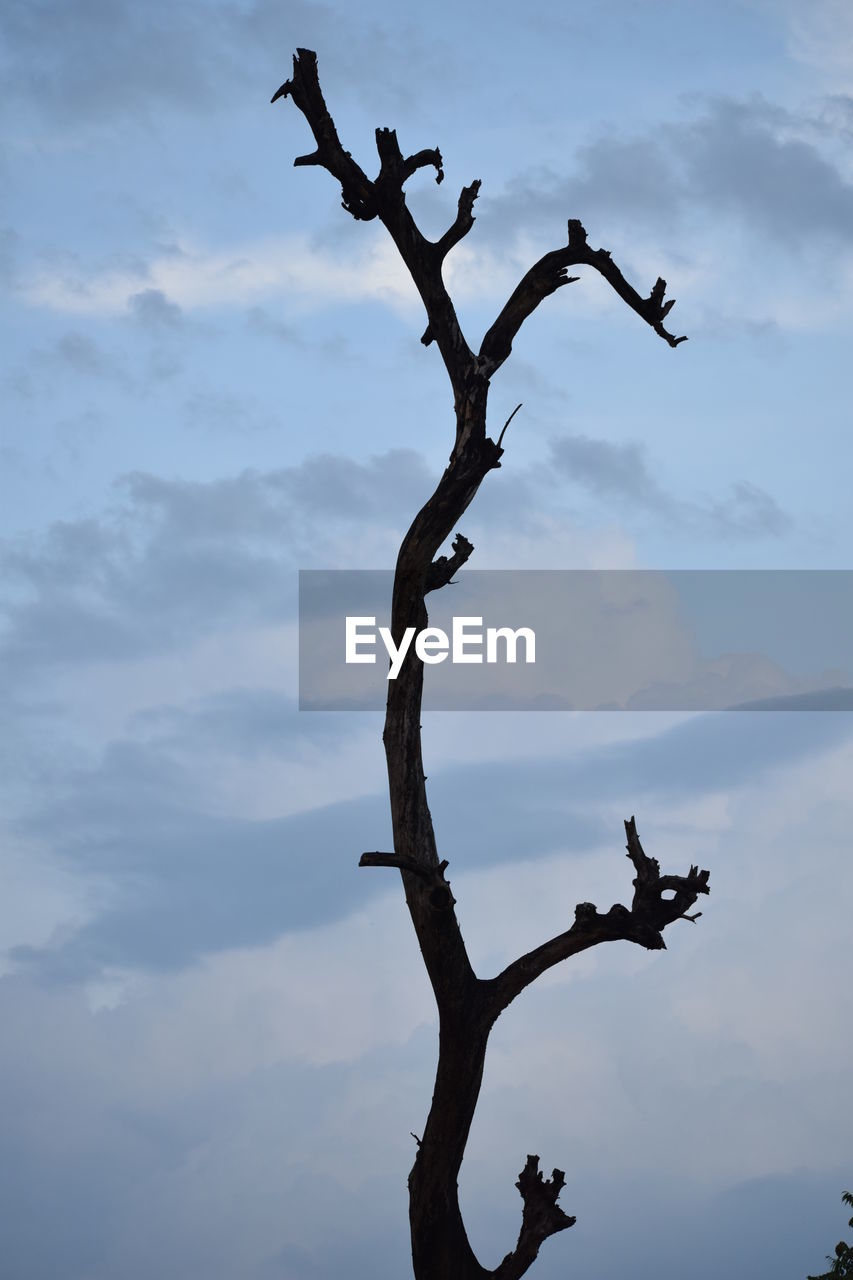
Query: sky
{"type": "Point", "coordinates": [217, 1034]}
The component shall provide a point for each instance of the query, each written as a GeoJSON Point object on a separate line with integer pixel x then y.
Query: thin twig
{"type": "Point", "coordinates": [506, 424]}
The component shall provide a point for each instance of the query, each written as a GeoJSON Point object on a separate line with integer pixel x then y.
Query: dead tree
{"type": "Point", "coordinates": [468, 1005]}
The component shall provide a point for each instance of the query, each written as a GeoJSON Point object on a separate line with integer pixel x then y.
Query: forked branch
{"type": "Point", "coordinates": [643, 924]}
{"type": "Point", "coordinates": [441, 571]}
{"type": "Point", "coordinates": [384, 198]}
{"type": "Point", "coordinates": [541, 1217]}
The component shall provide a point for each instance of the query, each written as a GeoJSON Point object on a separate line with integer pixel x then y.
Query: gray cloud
{"type": "Point", "coordinates": [226, 412]}
{"type": "Point", "coordinates": [81, 353]}
{"type": "Point", "coordinates": [734, 161]}
{"type": "Point", "coordinates": [260, 322]}
{"type": "Point", "coordinates": [93, 62]}
{"type": "Point", "coordinates": [749, 512]}
{"type": "Point", "coordinates": [124, 1108]}
{"type": "Point", "coordinates": [609, 470]}
{"type": "Point", "coordinates": [253, 723]}
{"type": "Point", "coordinates": [177, 557]}
{"type": "Point", "coordinates": [89, 58]}
{"type": "Point", "coordinates": [188, 883]}
{"type": "Point", "coordinates": [737, 159]}
{"type": "Point", "coordinates": [836, 115]}
{"type": "Point", "coordinates": [154, 311]}
{"type": "Point", "coordinates": [72, 353]}
{"type": "Point", "coordinates": [622, 471]}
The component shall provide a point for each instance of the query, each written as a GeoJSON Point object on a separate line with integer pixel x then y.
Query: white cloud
{"type": "Point", "coordinates": [195, 276]}
{"type": "Point", "coordinates": [820, 34]}
{"type": "Point", "coordinates": [192, 276]}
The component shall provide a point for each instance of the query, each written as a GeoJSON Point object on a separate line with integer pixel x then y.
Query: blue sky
{"type": "Point", "coordinates": [217, 1034]}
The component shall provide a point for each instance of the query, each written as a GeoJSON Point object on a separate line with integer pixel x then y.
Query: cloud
{"type": "Point", "coordinates": [128, 1111]}
{"type": "Point", "coordinates": [609, 470]}
{"type": "Point", "coordinates": [750, 165]}
{"type": "Point", "coordinates": [720, 201]}
{"type": "Point", "coordinates": [734, 161]}
{"type": "Point", "coordinates": [226, 413]}
{"type": "Point", "coordinates": [749, 512]}
{"type": "Point", "coordinates": [750, 174]}
{"type": "Point", "coordinates": [191, 878]}
{"type": "Point", "coordinates": [73, 353]}
{"type": "Point", "coordinates": [88, 59]}
{"type": "Point", "coordinates": [260, 321]}
{"type": "Point", "coordinates": [620, 470]}
{"type": "Point", "coordinates": [175, 558]}
{"type": "Point", "coordinates": [821, 36]}
{"type": "Point", "coordinates": [241, 1073]}
{"type": "Point", "coordinates": [154, 311]}
{"type": "Point", "coordinates": [161, 634]}
{"type": "Point", "coordinates": [81, 354]}
{"type": "Point", "coordinates": [99, 63]}
{"type": "Point", "coordinates": [190, 277]}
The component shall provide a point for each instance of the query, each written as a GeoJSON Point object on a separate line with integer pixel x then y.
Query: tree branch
{"type": "Point", "coordinates": [442, 570]}
{"type": "Point", "coordinates": [551, 273]}
{"type": "Point", "coordinates": [440, 897]}
{"type": "Point", "coordinates": [463, 221]}
{"type": "Point", "coordinates": [304, 88]}
{"type": "Point", "coordinates": [649, 905]}
{"type": "Point", "coordinates": [460, 227]}
{"type": "Point", "coordinates": [386, 200]}
{"type": "Point", "coordinates": [541, 1217]}
{"type": "Point", "coordinates": [420, 160]}
{"type": "Point", "coordinates": [649, 915]}
{"type": "Point", "coordinates": [505, 425]}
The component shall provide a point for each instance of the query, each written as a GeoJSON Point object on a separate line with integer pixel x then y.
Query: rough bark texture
{"type": "Point", "coordinates": [467, 1004]}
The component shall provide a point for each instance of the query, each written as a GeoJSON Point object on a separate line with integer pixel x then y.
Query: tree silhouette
{"type": "Point", "coordinates": [468, 1005]}
{"type": "Point", "coordinates": [842, 1261]}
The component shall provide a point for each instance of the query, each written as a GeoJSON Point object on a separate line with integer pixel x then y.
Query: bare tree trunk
{"type": "Point", "coordinates": [468, 1006]}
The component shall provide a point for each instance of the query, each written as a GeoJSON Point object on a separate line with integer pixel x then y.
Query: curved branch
{"type": "Point", "coordinates": [420, 160]}
{"type": "Point", "coordinates": [551, 273]}
{"type": "Point", "coordinates": [506, 424]}
{"type": "Point", "coordinates": [649, 915]}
